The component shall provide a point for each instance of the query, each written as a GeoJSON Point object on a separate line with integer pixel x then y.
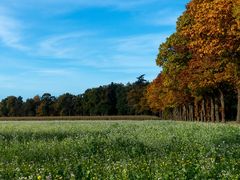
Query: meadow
{"type": "Point", "coordinates": [119, 150]}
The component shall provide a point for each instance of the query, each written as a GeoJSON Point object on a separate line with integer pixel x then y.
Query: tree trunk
{"type": "Point", "coordinates": [212, 110]}
{"type": "Point", "coordinates": [203, 111]}
{"type": "Point", "coordinates": [216, 110]}
{"type": "Point", "coordinates": [174, 113]}
{"type": "Point", "coordinates": [238, 107]}
{"type": "Point", "coordinates": [160, 114]}
{"type": "Point", "coordinates": [191, 112]}
{"type": "Point", "coordinates": [184, 113]}
{"type": "Point", "coordinates": [180, 113]}
{"type": "Point", "coordinates": [222, 106]}
{"type": "Point", "coordinates": [197, 118]}
{"type": "Point", "coordinates": [208, 110]}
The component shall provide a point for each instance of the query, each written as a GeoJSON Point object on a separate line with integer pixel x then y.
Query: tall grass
{"type": "Point", "coordinates": [119, 150]}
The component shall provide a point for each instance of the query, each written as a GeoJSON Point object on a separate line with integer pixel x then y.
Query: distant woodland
{"type": "Point", "coordinates": [199, 77]}
{"type": "Point", "coordinates": [112, 99]}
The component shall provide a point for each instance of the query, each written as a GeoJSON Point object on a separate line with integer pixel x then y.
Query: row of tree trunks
{"type": "Point", "coordinates": [208, 109]}
{"type": "Point", "coordinates": [185, 112]}
{"type": "Point", "coordinates": [204, 110]}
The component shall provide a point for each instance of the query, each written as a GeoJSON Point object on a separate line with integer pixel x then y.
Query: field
{"type": "Point", "coordinates": [119, 150]}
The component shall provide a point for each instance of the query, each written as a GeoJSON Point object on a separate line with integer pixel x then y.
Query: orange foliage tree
{"type": "Point", "coordinates": [200, 60]}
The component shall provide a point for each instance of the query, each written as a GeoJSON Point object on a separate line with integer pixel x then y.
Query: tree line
{"type": "Point", "coordinates": [112, 99]}
{"type": "Point", "coordinates": [200, 77]}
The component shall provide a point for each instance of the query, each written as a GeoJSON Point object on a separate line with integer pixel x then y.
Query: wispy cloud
{"type": "Point", "coordinates": [7, 81]}
{"type": "Point", "coordinates": [164, 17]}
{"type": "Point", "coordinates": [139, 44]}
{"type": "Point", "coordinates": [61, 46]}
{"type": "Point", "coordinates": [45, 41]}
{"type": "Point", "coordinates": [73, 4]}
{"type": "Point", "coordinates": [123, 4]}
{"type": "Point", "coordinates": [132, 51]}
{"type": "Point", "coordinates": [10, 31]}
{"type": "Point", "coordinates": [52, 72]}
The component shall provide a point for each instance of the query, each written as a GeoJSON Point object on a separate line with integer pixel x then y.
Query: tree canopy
{"type": "Point", "coordinates": [200, 64]}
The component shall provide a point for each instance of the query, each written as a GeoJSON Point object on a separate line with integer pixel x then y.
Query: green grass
{"type": "Point", "coordinates": [119, 150]}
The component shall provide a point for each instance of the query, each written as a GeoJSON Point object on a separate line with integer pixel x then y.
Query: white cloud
{"type": "Point", "coordinates": [167, 21]}
{"type": "Point", "coordinates": [123, 4]}
{"type": "Point", "coordinates": [51, 72]}
{"type": "Point", "coordinates": [126, 52]}
{"type": "Point", "coordinates": [7, 81]}
{"type": "Point", "coordinates": [164, 17]}
{"type": "Point", "coordinates": [60, 46]}
{"type": "Point", "coordinates": [131, 52]}
{"type": "Point", "coordinates": [72, 4]}
{"type": "Point", "coordinates": [141, 44]}
{"type": "Point", "coordinates": [10, 32]}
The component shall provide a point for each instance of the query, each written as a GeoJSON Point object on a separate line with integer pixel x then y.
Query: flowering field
{"type": "Point", "coordinates": [119, 150]}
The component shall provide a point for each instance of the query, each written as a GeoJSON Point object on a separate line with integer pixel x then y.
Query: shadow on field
{"type": "Point", "coordinates": [228, 147]}
{"type": "Point", "coordinates": [49, 136]}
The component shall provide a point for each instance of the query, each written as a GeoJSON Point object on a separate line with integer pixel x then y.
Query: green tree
{"type": "Point", "coordinates": [11, 106]}
{"type": "Point", "coordinates": [65, 105]}
{"type": "Point", "coordinates": [46, 107]}
{"type": "Point", "coordinates": [136, 97]}
{"type": "Point", "coordinates": [29, 107]}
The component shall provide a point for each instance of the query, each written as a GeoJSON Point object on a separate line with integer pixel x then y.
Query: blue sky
{"type": "Point", "coordinates": [60, 46]}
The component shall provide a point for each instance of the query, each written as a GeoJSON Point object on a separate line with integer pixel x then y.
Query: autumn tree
{"type": "Point", "coordinates": [154, 95]}
{"type": "Point", "coordinates": [200, 62]}
{"type": "Point", "coordinates": [214, 43]}
{"type": "Point", "coordinates": [173, 57]}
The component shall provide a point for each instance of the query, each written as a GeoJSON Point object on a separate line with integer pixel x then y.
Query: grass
{"type": "Point", "coordinates": [119, 150]}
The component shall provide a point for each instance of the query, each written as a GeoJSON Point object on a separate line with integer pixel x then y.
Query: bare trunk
{"type": "Point", "coordinates": [196, 111]}
{"type": "Point", "coordinates": [212, 110]}
{"type": "Point", "coordinates": [216, 110]}
{"type": "Point", "coordinates": [184, 113]}
{"type": "Point", "coordinates": [201, 116]}
{"type": "Point", "coordinates": [175, 113]}
{"type": "Point", "coordinates": [191, 112]}
{"type": "Point", "coordinates": [160, 115]}
{"type": "Point", "coordinates": [203, 111]}
{"type": "Point", "coordinates": [238, 108]}
{"type": "Point", "coordinates": [208, 110]}
{"type": "Point", "coordinates": [180, 113]}
{"type": "Point", "coordinates": [222, 106]}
